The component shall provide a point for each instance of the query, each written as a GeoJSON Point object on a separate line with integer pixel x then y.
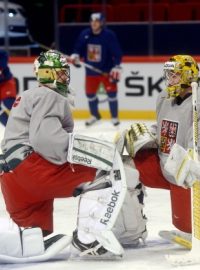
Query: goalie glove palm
{"type": "Point", "coordinates": [135, 138]}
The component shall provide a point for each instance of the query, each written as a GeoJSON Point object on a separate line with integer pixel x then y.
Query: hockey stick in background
{"type": "Point", "coordinates": [4, 109]}
{"type": "Point", "coordinates": [68, 57]}
{"type": "Point", "coordinates": [101, 100]}
{"type": "Point", "coordinates": [193, 256]}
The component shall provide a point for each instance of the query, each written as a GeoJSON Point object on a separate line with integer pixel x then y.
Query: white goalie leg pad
{"type": "Point", "coordinates": [98, 211]}
{"type": "Point", "coordinates": [18, 242]}
{"type": "Point", "coordinates": [19, 245]}
{"type": "Point", "coordinates": [130, 225]}
{"type": "Point", "coordinates": [10, 239]}
{"type": "Point", "coordinates": [91, 152]}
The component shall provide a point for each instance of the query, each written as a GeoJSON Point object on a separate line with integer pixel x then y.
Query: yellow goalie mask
{"type": "Point", "coordinates": [179, 72]}
{"type": "Point", "coordinates": [52, 70]}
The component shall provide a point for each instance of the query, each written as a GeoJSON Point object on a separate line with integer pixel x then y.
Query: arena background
{"type": "Point", "coordinates": [149, 32]}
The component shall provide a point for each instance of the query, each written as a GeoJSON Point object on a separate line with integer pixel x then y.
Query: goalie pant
{"type": "Point", "coordinates": [30, 189]}
{"type": "Point", "coordinates": [148, 164]}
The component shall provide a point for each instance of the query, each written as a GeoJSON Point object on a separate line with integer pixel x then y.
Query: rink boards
{"type": "Point", "coordinates": [140, 84]}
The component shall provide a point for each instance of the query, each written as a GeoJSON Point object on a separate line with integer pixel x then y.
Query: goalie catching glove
{"type": "Point", "coordinates": [182, 167]}
{"type": "Point", "coordinates": [135, 138]}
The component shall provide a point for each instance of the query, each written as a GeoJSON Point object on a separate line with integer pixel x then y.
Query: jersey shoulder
{"type": "Point", "coordinates": [108, 32]}
{"type": "Point", "coordinates": [162, 96]}
{"type": "Point", "coordinates": [45, 100]}
{"type": "Point", "coordinates": [41, 95]}
{"type": "Point", "coordinates": [160, 99]}
{"type": "Point", "coordinates": [86, 32]}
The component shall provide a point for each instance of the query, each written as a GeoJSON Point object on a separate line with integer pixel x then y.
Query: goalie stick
{"type": "Point", "coordinates": [177, 237]}
{"type": "Point", "coordinates": [193, 256]}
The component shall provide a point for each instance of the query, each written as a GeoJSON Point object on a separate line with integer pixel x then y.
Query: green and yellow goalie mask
{"type": "Point", "coordinates": [179, 72]}
{"type": "Point", "coordinates": [52, 70]}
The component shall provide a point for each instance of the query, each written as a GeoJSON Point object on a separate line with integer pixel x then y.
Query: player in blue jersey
{"type": "Point", "coordinates": [7, 88]}
{"type": "Point", "coordinates": [99, 47]}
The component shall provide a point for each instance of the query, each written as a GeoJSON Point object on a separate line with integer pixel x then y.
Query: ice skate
{"type": "Point", "coordinates": [115, 122]}
{"type": "Point", "coordinates": [92, 120]}
{"type": "Point", "coordinates": [90, 251]}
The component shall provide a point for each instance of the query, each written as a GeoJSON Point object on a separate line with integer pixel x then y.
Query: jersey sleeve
{"type": "Point", "coordinates": [115, 48]}
{"type": "Point", "coordinates": [79, 46]}
{"type": "Point", "coordinates": [51, 140]}
{"type": "Point", "coordinates": [5, 73]}
{"type": "Point", "coordinates": [153, 129]}
{"type": "Point", "coordinates": [49, 130]}
{"type": "Point", "coordinates": [160, 99]}
{"type": "Point", "coordinates": [3, 59]}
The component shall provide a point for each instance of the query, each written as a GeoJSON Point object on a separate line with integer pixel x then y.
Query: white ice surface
{"type": "Point", "coordinates": [157, 209]}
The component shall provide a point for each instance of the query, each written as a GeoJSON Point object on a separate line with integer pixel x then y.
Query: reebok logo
{"type": "Point", "coordinates": [111, 205]}
{"type": "Point", "coordinates": [169, 65]}
{"type": "Point", "coordinates": [82, 159]}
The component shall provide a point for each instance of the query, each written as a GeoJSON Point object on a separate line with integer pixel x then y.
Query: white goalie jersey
{"type": "Point", "coordinates": [174, 125]}
{"type": "Point", "coordinates": [36, 113]}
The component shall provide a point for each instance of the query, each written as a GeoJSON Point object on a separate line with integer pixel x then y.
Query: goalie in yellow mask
{"type": "Point", "coordinates": [160, 152]}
